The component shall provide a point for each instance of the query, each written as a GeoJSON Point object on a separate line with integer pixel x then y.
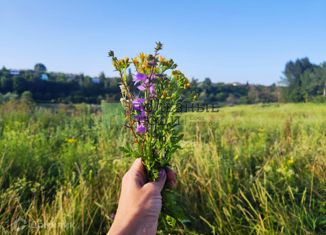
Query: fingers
{"type": "Point", "coordinates": [136, 172]}
{"type": "Point", "coordinates": [159, 183]}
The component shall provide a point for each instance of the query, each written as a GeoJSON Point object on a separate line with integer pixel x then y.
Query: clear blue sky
{"type": "Point", "coordinates": [224, 40]}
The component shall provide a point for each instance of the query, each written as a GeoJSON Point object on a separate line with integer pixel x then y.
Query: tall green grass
{"type": "Point", "coordinates": [257, 169]}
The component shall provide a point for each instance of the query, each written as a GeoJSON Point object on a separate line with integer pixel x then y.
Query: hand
{"type": "Point", "coordinates": [140, 203]}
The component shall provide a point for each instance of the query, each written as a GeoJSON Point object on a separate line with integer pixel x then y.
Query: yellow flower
{"type": "Point", "coordinates": [290, 161]}
{"type": "Point", "coordinates": [161, 59]}
{"type": "Point", "coordinates": [142, 56]}
{"type": "Point", "coordinates": [164, 94]}
{"type": "Point", "coordinates": [135, 60]}
{"type": "Point", "coordinates": [187, 85]}
{"type": "Point", "coordinates": [71, 140]}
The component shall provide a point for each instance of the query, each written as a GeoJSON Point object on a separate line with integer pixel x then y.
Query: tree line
{"type": "Point", "coordinates": [302, 81]}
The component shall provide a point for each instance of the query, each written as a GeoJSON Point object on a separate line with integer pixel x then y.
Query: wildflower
{"type": "Point", "coordinates": [290, 161]}
{"type": "Point", "coordinates": [137, 104]}
{"type": "Point", "coordinates": [187, 85]}
{"type": "Point", "coordinates": [71, 140]}
{"type": "Point", "coordinates": [141, 116]}
{"type": "Point", "coordinates": [135, 61]}
{"type": "Point", "coordinates": [141, 87]}
{"type": "Point", "coordinates": [142, 56]}
{"type": "Point", "coordinates": [152, 90]}
{"type": "Point", "coordinates": [140, 129]}
{"type": "Point", "coordinates": [139, 78]}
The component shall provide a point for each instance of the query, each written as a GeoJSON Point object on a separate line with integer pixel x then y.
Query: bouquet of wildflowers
{"type": "Point", "coordinates": [151, 104]}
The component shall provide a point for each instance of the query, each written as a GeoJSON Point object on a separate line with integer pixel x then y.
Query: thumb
{"type": "Point", "coordinates": [159, 183]}
{"type": "Point", "coordinates": [137, 166]}
{"type": "Point", "coordinates": [137, 173]}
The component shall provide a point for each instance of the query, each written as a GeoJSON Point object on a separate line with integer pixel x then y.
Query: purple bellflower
{"type": "Point", "coordinates": [152, 90]}
{"type": "Point", "coordinates": [141, 116]}
{"type": "Point", "coordinates": [140, 129]}
{"type": "Point", "coordinates": [139, 78]}
{"type": "Point", "coordinates": [138, 103]}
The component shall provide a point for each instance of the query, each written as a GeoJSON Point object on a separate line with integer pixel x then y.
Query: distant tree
{"type": "Point", "coordinates": [102, 76]}
{"type": "Point", "coordinates": [19, 84]}
{"type": "Point", "coordinates": [231, 100]}
{"type": "Point", "coordinates": [40, 68]}
{"type": "Point", "coordinates": [4, 72]}
{"type": "Point", "coordinates": [6, 84]}
{"type": "Point", "coordinates": [323, 79]}
{"type": "Point", "coordinates": [293, 78]}
{"type": "Point", "coordinates": [207, 84]}
{"type": "Point", "coordinates": [194, 83]}
{"type": "Point", "coordinates": [253, 94]}
{"type": "Point", "coordinates": [60, 77]}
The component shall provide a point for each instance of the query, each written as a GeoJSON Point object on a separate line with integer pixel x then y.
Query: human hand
{"type": "Point", "coordinates": [140, 203]}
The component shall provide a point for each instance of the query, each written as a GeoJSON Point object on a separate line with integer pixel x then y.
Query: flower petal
{"type": "Point", "coordinates": [140, 128]}
{"type": "Point", "coordinates": [137, 104]}
{"type": "Point", "coordinates": [141, 87]}
{"type": "Point", "coordinates": [139, 77]}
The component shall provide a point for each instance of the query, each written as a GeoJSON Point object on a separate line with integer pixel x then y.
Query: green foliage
{"type": "Point", "coordinates": [304, 81]}
{"type": "Point", "coordinates": [40, 68]}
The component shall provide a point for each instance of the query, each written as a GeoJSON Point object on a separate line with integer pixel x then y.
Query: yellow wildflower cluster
{"type": "Point", "coordinates": [183, 82]}
{"type": "Point", "coordinates": [71, 140]}
{"type": "Point", "coordinates": [121, 64]}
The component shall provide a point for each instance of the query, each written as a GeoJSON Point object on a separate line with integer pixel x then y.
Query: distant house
{"type": "Point", "coordinates": [236, 84]}
{"type": "Point", "coordinates": [14, 72]}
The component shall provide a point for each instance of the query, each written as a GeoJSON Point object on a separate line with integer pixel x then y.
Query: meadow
{"type": "Point", "coordinates": [258, 169]}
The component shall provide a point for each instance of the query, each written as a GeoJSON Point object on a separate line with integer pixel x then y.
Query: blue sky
{"type": "Point", "coordinates": [225, 40]}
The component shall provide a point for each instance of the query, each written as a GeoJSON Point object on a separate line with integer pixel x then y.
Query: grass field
{"type": "Point", "coordinates": [257, 169]}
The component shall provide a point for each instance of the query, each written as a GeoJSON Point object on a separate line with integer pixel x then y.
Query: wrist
{"type": "Point", "coordinates": [119, 229]}
{"type": "Point", "coordinates": [124, 224]}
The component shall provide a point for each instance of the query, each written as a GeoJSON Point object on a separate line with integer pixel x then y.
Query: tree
{"type": "Point", "coordinates": [253, 96]}
{"type": "Point", "coordinates": [6, 84]}
{"type": "Point", "coordinates": [40, 68]}
{"type": "Point", "coordinates": [207, 84]}
{"type": "Point", "coordinates": [293, 78]}
{"type": "Point", "coordinates": [4, 72]}
{"type": "Point", "coordinates": [102, 76]}
{"type": "Point", "coordinates": [19, 84]}
{"type": "Point", "coordinates": [323, 79]}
